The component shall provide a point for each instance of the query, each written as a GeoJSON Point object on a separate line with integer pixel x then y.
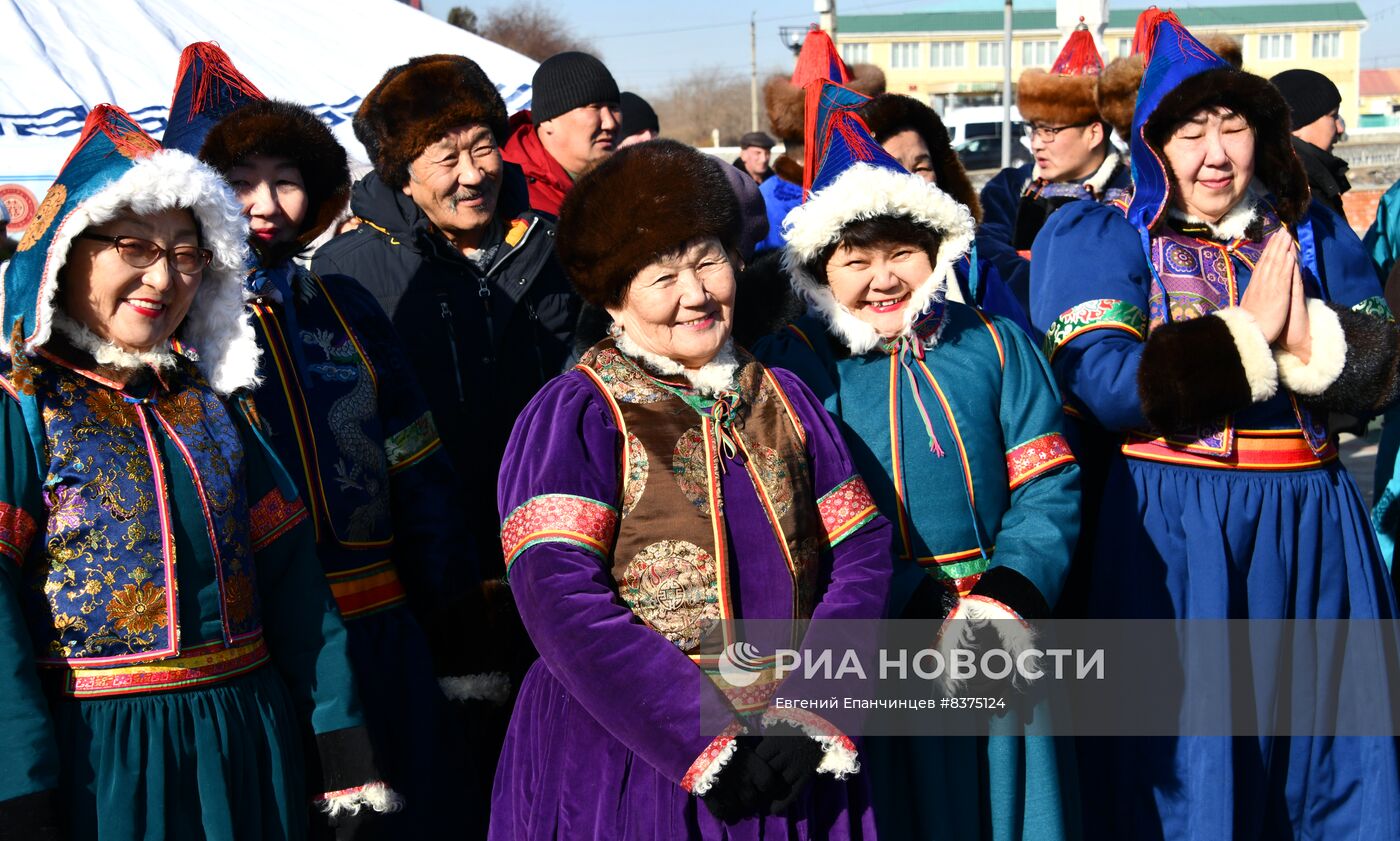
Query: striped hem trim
{"type": "Point", "coordinates": [368, 589]}
{"type": "Point", "coordinates": [205, 664]}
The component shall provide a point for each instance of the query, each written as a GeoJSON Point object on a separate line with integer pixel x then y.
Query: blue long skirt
{"type": "Point", "coordinates": [1196, 543]}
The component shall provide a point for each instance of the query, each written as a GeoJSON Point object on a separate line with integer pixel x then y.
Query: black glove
{"type": "Point", "coordinates": [745, 786]}
{"type": "Point", "coordinates": [794, 756]}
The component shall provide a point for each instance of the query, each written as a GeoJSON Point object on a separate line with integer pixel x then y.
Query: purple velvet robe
{"type": "Point", "coordinates": [613, 717]}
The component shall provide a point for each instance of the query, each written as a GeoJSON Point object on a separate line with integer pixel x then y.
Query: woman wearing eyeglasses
{"type": "Point", "coordinates": [167, 638]}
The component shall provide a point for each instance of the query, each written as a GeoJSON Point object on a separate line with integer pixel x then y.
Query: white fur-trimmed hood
{"type": "Point", "coordinates": [217, 327]}
{"type": "Point", "coordinates": [864, 192]}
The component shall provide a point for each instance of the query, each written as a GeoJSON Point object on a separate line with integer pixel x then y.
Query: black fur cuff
{"type": "Point", "coordinates": [31, 817]}
{"type": "Point", "coordinates": [345, 758]}
{"type": "Point", "coordinates": [1194, 372]}
{"type": "Point", "coordinates": [1014, 590]}
{"type": "Point", "coordinates": [1370, 379]}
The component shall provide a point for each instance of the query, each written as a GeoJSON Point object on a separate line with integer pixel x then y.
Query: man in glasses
{"type": "Point", "coordinates": [1074, 160]}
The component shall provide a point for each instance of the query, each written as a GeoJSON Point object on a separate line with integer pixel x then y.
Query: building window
{"type": "Point", "coordinates": [904, 55]}
{"type": "Point", "coordinates": [946, 54]}
{"type": "Point", "coordinates": [1275, 47]}
{"type": "Point", "coordinates": [1037, 53]}
{"type": "Point", "coordinates": [1327, 45]}
{"type": "Point", "coordinates": [1125, 47]}
{"type": "Point", "coordinates": [855, 53]}
{"type": "Point", "coordinates": [988, 53]}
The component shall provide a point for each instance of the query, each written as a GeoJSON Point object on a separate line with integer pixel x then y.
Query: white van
{"type": "Point", "coordinates": [980, 121]}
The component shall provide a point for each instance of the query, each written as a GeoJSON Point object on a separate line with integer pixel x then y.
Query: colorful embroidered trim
{"type": "Point", "coordinates": [708, 756]}
{"type": "Point", "coordinates": [955, 566]}
{"type": "Point", "coordinates": [412, 444]}
{"type": "Point", "coordinates": [559, 518]}
{"type": "Point", "coordinates": [1283, 449]}
{"type": "Point", "coordinates": [1101, 314]}
{"type": "Point", "coordinates": [1375, 305]}
{"type": "Point", "coordinates": [200, 665]}
{"type": "Point", "coordinates": [365, 590]}
{"type": "Point", "coordinates": [846, 508]}
{"type": "Point", "coordinates": [273, 516]}
{"type": "Point", "coordinates": [1029, 460]}
{"type": "Point", "coordinates": [17, 530]}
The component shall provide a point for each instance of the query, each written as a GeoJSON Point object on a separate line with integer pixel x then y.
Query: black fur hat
{"type": "Point", "coordinates": [275, 129]}
{"type": "Point", "coordinates": [1262, 106]}
{"type": "Point", "coordinates": [641, 202]}
{"type": "Point", "coordinates": [890, 113]}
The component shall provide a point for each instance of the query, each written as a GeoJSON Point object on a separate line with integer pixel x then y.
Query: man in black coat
{"type": "Point", "coordinates": [1313, 101]}
{"type": "Point", "coordinates": [464, 268]}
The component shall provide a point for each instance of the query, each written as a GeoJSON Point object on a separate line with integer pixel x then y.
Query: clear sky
{"type": "Point", "coordinates": [649, 45]}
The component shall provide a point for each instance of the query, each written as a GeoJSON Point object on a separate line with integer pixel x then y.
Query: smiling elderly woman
{"type": "Point", "coordinates": [1213, 342]}
{"type": "Point", "coordinates": [666, 486]}
{"type": "Point", "coordinates": [166, 635]}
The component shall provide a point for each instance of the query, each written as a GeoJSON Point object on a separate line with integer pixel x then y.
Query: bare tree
{"type": "Point", "coordinates": [707, 98]}
{"type": "Point", "coordinates": [533, 30]}
{"type": "Point", "coordinates": [463, 18]}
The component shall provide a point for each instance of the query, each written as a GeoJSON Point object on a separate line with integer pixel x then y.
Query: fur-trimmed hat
{"type": "Point", "coordinates": [1064, 96]}
{"type": "Point", "coordinates": [1117, 90]}
{"type": "Point", "coordinates": [1182, 78]}
{"type": "Point", "coordinates": [890, 113]}
{"type": "Point", "coordinates": [117, 167]}
{"type": "Point", "coordinates": [642, 202]}
{"type": "Point", "coordinates": [276, 129]}
{"type": "Point", "coordinates": [416, 104]}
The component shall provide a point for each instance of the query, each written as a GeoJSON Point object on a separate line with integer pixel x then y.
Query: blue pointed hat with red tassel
{"type": "Point", "coordinates": [208, 89]}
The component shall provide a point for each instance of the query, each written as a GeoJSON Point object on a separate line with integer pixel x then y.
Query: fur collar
{"type": "Point", "coordinates": [863, 192]}
{"type": "Point", "coordinates": [1099, 180]}
{"type": "Point", "coordinates": [106, 353]}
{"type": "Point", "coordinates": [1235, 224]}
{"type": "Point", "coordinates": [718, 375]}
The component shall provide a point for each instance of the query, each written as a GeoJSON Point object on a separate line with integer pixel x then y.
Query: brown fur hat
{"type": "Point", "coordinates": [273, 129]}
{"type": "Point", "coordinates": [1118, 84]}
{"type": "Point", "coordinates": [1260, 103]}
{"type": "Point", "coordinates": [890, 113]}
{"type": "Point", "coordinates": [786, 102]}
{"type": "Point", "coordinates": [640, 203]}
{"type": "Point", "coordinates": [1056, 100]}
{"type": "Point", "coordinates": [415, 104]}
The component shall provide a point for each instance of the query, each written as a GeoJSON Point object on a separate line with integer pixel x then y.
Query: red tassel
{"type": "Point", "coordinates": [819, 60]}
{"type": "Point", "coordinates": [125, 133]}
{"type": "Point", "coordinates": [218, 67]}
{"type": "Point", "coordinates": [811, 107]}
{"type": "Point", "coordinates": [1080, 56]}
{"type": "Point", "coordinates": [1145, 36]}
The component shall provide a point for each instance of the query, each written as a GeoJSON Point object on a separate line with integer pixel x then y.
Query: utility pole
{"type": "Point", "coordinates": [826, 11]}
{"type": "Point", "coordinates": [1006, 86]}
{"type": "Point", "coordinates": [753, 71]}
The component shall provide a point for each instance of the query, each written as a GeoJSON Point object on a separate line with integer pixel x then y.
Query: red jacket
{"type": "Point", "coordinates": [547, 180]}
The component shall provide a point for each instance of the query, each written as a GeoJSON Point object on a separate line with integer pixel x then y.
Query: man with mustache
{"type": "Point", "coordinates": [464, 268]}
{"type": "Point", "coordinates": [575, 121]}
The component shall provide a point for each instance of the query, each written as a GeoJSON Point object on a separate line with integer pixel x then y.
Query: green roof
{"type": "Point", "coordinates": [1044, 19]}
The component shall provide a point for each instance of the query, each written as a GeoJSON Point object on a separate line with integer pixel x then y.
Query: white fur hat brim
{"type": "Point", "coordinates": [217, 326]}
{"type": "Point", "coordinates": [865, 192]}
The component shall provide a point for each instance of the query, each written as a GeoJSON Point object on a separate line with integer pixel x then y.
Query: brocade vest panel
{"type": "Point", "coordinates": [671, 557]}
{"type": "Point", "coordinates": [104, 591]}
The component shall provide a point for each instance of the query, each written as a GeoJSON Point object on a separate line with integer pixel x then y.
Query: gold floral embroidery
{"type": "Point", "coordinates": [690, 469]}
{"type": "Point", "coordinates": [107, 408]}
{"type": "Point", "coordinates": [138, 610]}
{"type": "Point", "coordinates": [238, 597]}
{"type": "Point", "coordinates": [43, 217]}
{"type": "Point", "coordinates": [634, 484]}
{"type": "Point", "coordinates": [773, 473]}
{"type": "Point", "coordinates": [183, 409]}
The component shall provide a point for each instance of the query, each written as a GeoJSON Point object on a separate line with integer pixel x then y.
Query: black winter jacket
{"type": "Point", "coordinates": [482, 343]}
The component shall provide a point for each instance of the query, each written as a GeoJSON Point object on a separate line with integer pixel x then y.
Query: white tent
{"type": "Point", "coordinates": [59, 58]}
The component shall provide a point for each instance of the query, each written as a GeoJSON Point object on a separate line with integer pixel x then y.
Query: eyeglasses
{"type": "Point", "coordinates": [1049, 133]}
{"type": "Point", "coordinates": [141, 253]}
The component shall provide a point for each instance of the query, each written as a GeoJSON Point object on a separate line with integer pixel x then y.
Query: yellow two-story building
{"type": "Point", "coordinates": [956, 58]}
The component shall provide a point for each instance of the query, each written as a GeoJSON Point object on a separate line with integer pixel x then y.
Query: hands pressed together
{"type": "Point", "coordinates": [765, 775]}
{"type": "Point", "coordinates": [1275, 297]}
